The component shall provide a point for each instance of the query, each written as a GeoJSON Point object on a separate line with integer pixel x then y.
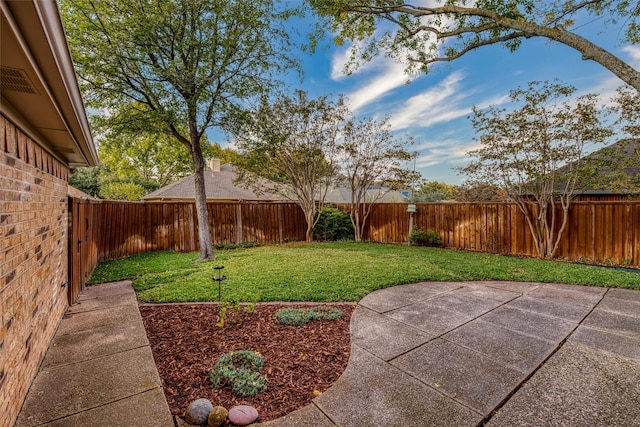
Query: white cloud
{"type": "Point", "coordinates": [442, 103]}
{"type": "Point", "coordinates": [342, 57]}
{"type": "Point", "coordinates": [339, 62]}
{"type": "Point", "coordinates": [447, 151]}
{"type": "Point", "coordinates": [381, 75]}
{"type": "Point", "coordinates": [634, 54]}
{"type": "Point", "coordinates": [391, 77]}
{"type": "Point", "coordinates": [438, 103]}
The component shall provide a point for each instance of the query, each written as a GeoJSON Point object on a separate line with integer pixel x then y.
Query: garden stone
{"type": "Point", "coordinates": [198, 412]}
{"type": "Point", "coordinates": [243, 415]}
{"type": "Point", "coordinates": [217, 416]}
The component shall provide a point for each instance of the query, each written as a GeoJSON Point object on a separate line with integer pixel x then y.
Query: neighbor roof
{"type": "Point", "coordinates": [343, 195]}
{"type": "Point", "coordinates": [78, 194]}
{"type": "Point", "coordinates": [218, 186]}
{"type": "Point", "coordinates": [625, 148]}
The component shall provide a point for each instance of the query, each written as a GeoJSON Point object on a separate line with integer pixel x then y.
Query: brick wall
{"type": "Point", "coordinates": [33, 261]}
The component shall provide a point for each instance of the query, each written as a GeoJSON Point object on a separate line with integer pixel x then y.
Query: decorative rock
{"type": "Point", "coordinates": [243, 415]}
{"type": "Point", "coordinates": [217, 416]}
{"type": "Point", "coordinates": [198, 412]}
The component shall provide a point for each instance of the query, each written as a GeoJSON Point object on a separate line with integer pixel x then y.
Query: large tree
{"type": "Point", "coordinates": [423, 33]}
{"type": "Point", "coordinates": [371, 162]}
{"type": "Point", "coordinates": [189, 64]}
{"type": "Point", "coordinates": [434, 191]}
{"type": "Point", "coordinates": [535, 153]}
{"type": "Point", "coordinates": [289, 147]}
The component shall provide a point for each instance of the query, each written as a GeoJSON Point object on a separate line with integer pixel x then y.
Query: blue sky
{"type": "Point", "coordinates": [434, 108]}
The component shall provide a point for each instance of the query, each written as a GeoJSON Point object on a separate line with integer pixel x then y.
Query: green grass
{"type": "Point", "coordinates": [333, 272]}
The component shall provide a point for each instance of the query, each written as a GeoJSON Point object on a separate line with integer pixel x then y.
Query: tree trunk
{"type": "Point", "coordinates": [532, 223]}
{"type": "Point", "coordinates": [204, 235]}
{"type": "Point", "coordinates": [565, 202]}
{"type": "Point", "coordinates": [355, 222]}
{"type": "Point", "coordinates": [309, 215]}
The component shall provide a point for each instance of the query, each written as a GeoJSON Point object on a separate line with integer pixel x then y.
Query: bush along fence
{"type": "Point", "coordinates": [604, 231]}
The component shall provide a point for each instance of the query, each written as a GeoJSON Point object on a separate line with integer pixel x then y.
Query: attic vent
{"type": "Point", "coordinates": [14, 79]}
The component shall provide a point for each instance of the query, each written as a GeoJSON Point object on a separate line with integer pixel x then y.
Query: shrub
{"type": "Point", "coordinates": [332, 225]}
{"type": "Point", "coordinates": [241, 370]}
{"type": "Point", "coordinates": [302, 316]}
{"type": "Point", "coordinates": [421, 237]}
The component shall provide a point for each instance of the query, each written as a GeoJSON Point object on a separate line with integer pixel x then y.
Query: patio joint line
{"type": "Point", "coordinates": [94, 407]}
{"type": "Point", "coordinates": [322, 412]}
{"type": "Point", "coordinates": [430, 297]}
{"type": "Point", "coordinates": [561, 344]}
{"type": "Point", "coordinates": [446, 332]}
{"type": "Point", "coordinates": [425, 384]}
{"type": "Point", "coordinates": [102, 356]}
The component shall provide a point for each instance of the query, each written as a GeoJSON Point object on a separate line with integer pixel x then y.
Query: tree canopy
{"type": "Point", "coordinates": [535, 153]}
{"type": "Point", "coordinates": [423, 33]}
{"type": "Point", "coordinates": [434, 191]}
{"type": "Point", "coordinates": [291, 141]}
{"type": "Point", "coordinates": [183, 65]}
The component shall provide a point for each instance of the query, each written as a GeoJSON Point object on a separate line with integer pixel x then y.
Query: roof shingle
{"type": "Point", "coordinates": [218, 186]}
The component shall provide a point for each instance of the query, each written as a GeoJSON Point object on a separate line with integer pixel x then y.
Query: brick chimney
{"type": "Point", "coordinates": [214, 165]}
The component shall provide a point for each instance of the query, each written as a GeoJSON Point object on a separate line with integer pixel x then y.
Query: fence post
{"type": "Point", "coordinates": [239, 223]}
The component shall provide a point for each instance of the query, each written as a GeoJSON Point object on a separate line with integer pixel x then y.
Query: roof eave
{"type": "Point", "coordinates": [37, 33]}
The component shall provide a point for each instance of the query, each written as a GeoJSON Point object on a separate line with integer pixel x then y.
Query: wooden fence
{"type": "Point", "coordinates": [103, 230]}
{"type": "Point", "coordinates": [597, 231]}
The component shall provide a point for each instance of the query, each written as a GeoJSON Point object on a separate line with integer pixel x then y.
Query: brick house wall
{"type": "Point", "coordinates": [33, 261]}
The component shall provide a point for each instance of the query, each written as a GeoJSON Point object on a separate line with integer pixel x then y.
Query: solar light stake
{"type": "Point", "coordinates": [219, 278]}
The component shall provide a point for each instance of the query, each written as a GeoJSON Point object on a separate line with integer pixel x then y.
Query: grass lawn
{"type": "Point", "coordinates": [341, 271]}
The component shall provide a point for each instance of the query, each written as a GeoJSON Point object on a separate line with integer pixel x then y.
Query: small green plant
{"type": "Point", "coordinates": [420, 237]}
{"type": "Point", "coordinates": [240, 370]}
{"type": "Point", "coordinates": [249, 308]}
{"type": "Point", "coordinates": [302, 316]}
{"type": "Point", "coordinates": [233, 304]}
{"type": "Point", "coordinates": [222, 315]}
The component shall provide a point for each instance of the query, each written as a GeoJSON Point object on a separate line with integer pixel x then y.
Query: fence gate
{"type": "Point", "coordinates": [80, 245]}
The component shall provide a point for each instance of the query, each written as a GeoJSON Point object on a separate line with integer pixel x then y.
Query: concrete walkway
{"type": "Point", "coordinates": [98, 370]}
{"type": "Point", "coordinates": [426, 354]}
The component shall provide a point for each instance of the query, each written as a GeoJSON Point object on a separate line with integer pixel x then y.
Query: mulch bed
{"type": "Point", "coordinates": [299, 361]}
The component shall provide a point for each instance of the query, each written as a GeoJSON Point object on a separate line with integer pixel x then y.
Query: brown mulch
{"type": "Point", "coordinates": [299, 361]}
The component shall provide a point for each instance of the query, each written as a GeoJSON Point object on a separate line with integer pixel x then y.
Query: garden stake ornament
{"type": "Point", "coordinates": [219, 278]}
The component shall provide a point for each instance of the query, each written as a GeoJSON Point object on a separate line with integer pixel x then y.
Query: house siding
{"type": "Point", "coordinates": [33, 261]}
